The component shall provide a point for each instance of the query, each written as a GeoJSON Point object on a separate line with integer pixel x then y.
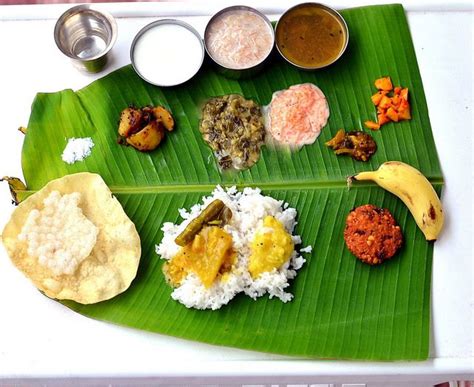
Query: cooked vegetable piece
{"type": "Point", "coordinates": [360, 145]}
{"type": "Point", "coordinates": [144, 128]}
{"type": "Point", "coordinates": [396, 101]}
{"type": "Point", "coordinates": [372, 125]}
{"type": "Point", "coordinates": [389, 108]}
{"type": "Point", "coordinates": [404, 110]}
{"type": "Point", "coordinates": [165, 117]}
{"type": "Point", "coordinates": [212, 212]}
{"type": "Point", "coordinates": [404, 94]}
{"type": "Point", "coordinates": [385, 102]}
{"type": "Point", "coordinates": [384, 83]}
{"type": "Point", "coordinates": [377, 97]}
{"type": "Point", "coordinates": [209, 253]}
{"type": "Point", "coordinates": [392, 114]}
{"type": "Point", "coordinates": [148, 138]}
{"type": "Point", "coordinates": [337, 140]}
{"type": "Point", "coordinates": [130, 121]}
{"type": "Point", "coordinates": [382, 119]}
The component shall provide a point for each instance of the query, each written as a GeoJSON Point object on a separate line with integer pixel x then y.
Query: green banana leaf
{"type": "Point", "coordinates": [342, 307]}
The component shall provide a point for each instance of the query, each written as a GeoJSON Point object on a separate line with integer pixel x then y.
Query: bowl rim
{"type": "Point", "coordinates": [333, 12]}
{"type": "Point", "coordinates": [153, 24]}
{"type": "Point", "coordinates": [239, 8]}
{"type": "Point", "coordinates": [90, 9]}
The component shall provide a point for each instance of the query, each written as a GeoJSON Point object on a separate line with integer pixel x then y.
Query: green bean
{"type": "Point", "coordinates": [210, 213]}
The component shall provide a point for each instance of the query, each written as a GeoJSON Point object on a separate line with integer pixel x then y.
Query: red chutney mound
{"type": "Point", "coordinates": [372, 234]}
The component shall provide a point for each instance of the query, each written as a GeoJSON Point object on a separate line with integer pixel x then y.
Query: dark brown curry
{"type": "Point", "coordinates": [310, 36]}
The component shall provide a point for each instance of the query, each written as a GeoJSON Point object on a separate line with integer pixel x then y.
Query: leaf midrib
{"type": "Point", "coordinates": [282, 186]}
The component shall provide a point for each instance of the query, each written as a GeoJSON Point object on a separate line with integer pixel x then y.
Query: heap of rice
{"type": "Point", "coordinates": [249, 208]}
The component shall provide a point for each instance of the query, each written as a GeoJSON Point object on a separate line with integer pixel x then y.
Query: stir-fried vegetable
{"type": "Point", "coordinates": [144, 128]}
{"type": "Point", "coordinates": [360, 145]}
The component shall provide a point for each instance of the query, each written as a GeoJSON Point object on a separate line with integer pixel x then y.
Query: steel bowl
{"type": "Point", "coordinates": [330, 10]}
{"type": "Point", "coordinates": [238, 73]}
{"type": "Point", "coordinates": [86, 35]}
{"type": "Point", "coordinates": [158, 23]}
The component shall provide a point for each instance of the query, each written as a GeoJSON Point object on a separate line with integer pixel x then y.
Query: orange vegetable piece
{"type": "Point", "coordinates": [384, 83]}
{"type": "Point", "coordinates": [396, 101]}
{"type": "Point", "coordinates": [385, 102]}
{"type": "Point", "coordinates": [372, 125]}
{"type": "Point", "coordinates": [204, 256]}
{"type": "Point", "coordinates": [404, 94]}
{"type": "Point", "coordinates": [382, 119]}
{"type": "Point", "coordinates": [389, 108]}
{"type": "Point", "coordinates": [404, 110]}
{"type": "Point", "coordinates": [392, 114]}
{"type": "Point", "coordinates": [378, 96]}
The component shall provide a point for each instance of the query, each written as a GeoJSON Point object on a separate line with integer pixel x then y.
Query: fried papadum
{"type": "Point", "coordinates": [74, 241]}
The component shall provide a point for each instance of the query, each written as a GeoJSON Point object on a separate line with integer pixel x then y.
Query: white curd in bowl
{"type": "Point", "coordinates": [167, 53]}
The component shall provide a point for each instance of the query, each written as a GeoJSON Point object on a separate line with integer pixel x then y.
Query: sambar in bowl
{"type": "Point", "coordinates": [311, 36]}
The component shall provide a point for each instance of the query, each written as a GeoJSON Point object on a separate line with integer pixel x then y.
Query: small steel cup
{"type": "Point", "coordinates": [86, 36]}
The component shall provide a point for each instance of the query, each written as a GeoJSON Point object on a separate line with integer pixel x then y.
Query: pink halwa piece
{"type": "Point", "coordinates": [297, 115]}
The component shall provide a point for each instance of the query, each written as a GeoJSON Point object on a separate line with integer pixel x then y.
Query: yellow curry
{"type": "Point", "coordinates": [271, 247]}
{"type": "Point", "coordinates": [209, 254]}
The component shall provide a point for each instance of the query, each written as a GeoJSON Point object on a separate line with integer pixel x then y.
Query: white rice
{"type": "Point", "coordinates": [77, 149]}
{"type": "Point", "coordinates": [249, 208]}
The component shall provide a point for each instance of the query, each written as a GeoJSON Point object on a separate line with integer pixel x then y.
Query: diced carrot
{"type": "Point", "coordinates": [372, 125]}
{"type": "Point", "coordinates": [382, 119]}
{"type": "Point", "coordinates": [393, 107]}
{"type": "Point", "coordinates": [404, 110]}
{"type": "Point", "coordinates": [378, 96]}
{"type": "Point", "coordinates": [404, 94]}
{"type": "Point", "coordinates": [384, 83]}
{"type": "Point", "coordinates": [392, 114]}
{"type": "Point", "coordinates": [396, 101]}
{"type": "Point", "coordinates": [385, 102]}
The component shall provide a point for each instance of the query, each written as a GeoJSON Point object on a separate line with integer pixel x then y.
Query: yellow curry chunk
{"type": "Point", "coordinates": [209, 254]}
{"type": "Point", "coordinates": [271, 247]}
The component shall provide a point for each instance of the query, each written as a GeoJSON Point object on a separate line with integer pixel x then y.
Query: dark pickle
{"type": "Point", "coordinates": [360, 145]}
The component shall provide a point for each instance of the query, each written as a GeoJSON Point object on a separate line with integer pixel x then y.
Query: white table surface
{"type": "Point", "coordinates": [42, 338]}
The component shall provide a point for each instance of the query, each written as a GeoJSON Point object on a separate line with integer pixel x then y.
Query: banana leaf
{"type": "Point", "coordinates": [342, 307]}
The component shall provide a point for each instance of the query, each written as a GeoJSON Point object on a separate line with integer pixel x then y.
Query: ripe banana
{"type": "Point", "coordinates": [414, 190]}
